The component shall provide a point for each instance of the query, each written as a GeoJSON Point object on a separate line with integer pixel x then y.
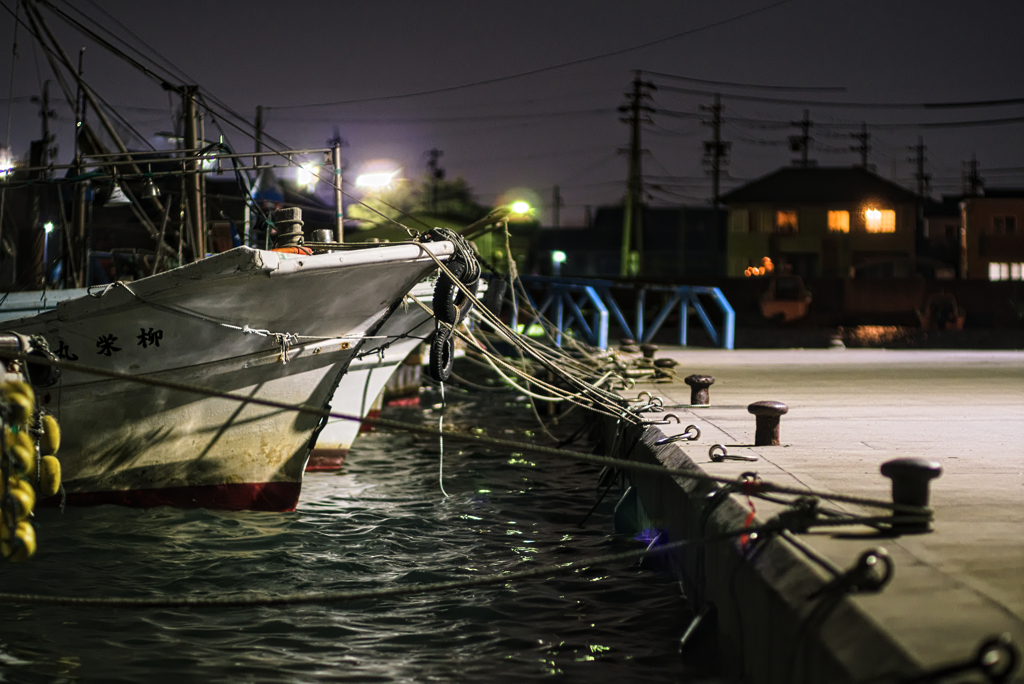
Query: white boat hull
{"type": "Point", "coordinates": [377, 362]}
{"type": "Point", "coordinates": [212, 324]}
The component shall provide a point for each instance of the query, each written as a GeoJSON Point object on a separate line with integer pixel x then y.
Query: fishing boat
{"type": "Point", "coordinates": [255, 323]}
{"type": "Point", "coordinates": [359, 391]}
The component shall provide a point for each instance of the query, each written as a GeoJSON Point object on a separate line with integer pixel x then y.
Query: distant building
{"type": "Point", "coordinates": [992, 235]}
{"type": "Point", "coordinates": [819, 221]}
{"type": "Point", "coordinates": [678, 242]}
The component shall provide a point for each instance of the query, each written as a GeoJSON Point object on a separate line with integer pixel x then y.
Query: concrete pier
{"type": "Point", "coordinates": [850, 410]}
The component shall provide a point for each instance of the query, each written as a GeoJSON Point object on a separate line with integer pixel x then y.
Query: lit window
{"type": "Point", "coordinates": [1004, 225]}
{"type": "Point", "coordinates": [1005, 271]}
{"type": "Point", "coordinates": [839, 222]}
{"type": "Point", "coordinates": [785, 222]}
{"type": "Point", "coordinates": [880, 220]}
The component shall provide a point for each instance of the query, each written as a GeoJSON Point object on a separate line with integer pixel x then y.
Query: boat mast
{"type": "Point", "coordinates": [193, 187]}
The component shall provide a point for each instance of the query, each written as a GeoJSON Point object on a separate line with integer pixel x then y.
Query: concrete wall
{"type": "Point", "coordinates": [767, 627]}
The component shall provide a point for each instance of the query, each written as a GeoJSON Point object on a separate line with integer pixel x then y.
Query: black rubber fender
{"type": "Point", "coordinates": [442, 355]}
{"type": "Point", "coordinates": [451, 305]}
{"type": "Point", "coordinates": [494, 298]}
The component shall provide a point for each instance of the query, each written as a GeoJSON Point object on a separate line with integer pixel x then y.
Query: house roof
{"type": "Point", "coordinates": [799, 185]}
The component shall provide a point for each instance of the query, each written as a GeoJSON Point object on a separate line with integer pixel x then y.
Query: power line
{"type": "Point", "coordinates": [450, 119]}
{"type": "Point", "coordinates": [546, 69]}
{"type": "Point", "coordinates": [757, 86]}
{"type": "Point", "coordinates": [848, 105]}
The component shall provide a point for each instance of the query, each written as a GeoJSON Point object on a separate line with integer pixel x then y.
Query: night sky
{"type": "Point", "coordinates": [560, 125]}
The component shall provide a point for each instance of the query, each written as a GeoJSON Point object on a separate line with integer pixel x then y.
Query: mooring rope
{"type": "Point", "coordinates": [743, 486]}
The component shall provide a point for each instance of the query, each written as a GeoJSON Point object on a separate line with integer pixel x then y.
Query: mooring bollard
{"type": "Point", "coordinates": [767, 424]}
{"type": "Point", "coordinates": [628, 346]}
{"type": "Point", "coordinates": [910, 486]}
{"type": "Point", "coordinates": [699, 384]}
{"type": "Point", "coordinates": [649, 350]}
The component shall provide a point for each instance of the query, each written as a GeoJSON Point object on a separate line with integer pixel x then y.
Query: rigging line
{"type": "Point", "coordinates": [74, 23]}
{"type": "Point", "coordinates": [167, 64]}
{"type": "Point", "coordinates": [549, 68]}
{"type": "Point", "coordinates": [848, 105]}
{"type": "Point", "coordinates": [54, 57]}
{"type": "Point", "coordinates": [734, 84]}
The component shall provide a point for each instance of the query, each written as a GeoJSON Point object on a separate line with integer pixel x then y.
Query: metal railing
{"type": "Point", "coordinates": [566, 302]}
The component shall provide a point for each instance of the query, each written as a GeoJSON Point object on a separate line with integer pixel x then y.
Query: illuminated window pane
{"type": "Point", "coordinates": [1015, 271]}
{"type": "Point", "coordinates": [993, 271]}
{"type": "Point", "coordinates": [785, 222]}
{"type": "Point", "coordinates": [1004, 271]}
{"type": "Point", "coordinates": [880, 221]}
{"type": "Point", "coordinates": [839, 222]}
{"type": "Point", "coordinates": [888, 221]}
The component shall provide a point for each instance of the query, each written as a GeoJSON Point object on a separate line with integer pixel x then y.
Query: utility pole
{"type": "Point", "coordinates": [80, 254]}
{"type": "Point", "coordinates": [863, 137]}
{"type": "Point", "coordinates": [336, 143]}
{"type": "Point", "coordinates": [632, 227]}
{"type": "Point", "coordinates": [802, 143]}
{"type": "Point", "coordinates": [45, 113]}
{"type": "Point", "coordinates": [919, 159]}
{"type": "Point", "coordinates": [715, 151]}
{"type": "Point", "coordinates": [556, 206]}
{"type": "Point", "coordinates": [436, 175]}
{"type": "Point", "coordinates": [972, 181]}
{"type": "Point", "coordinates": [193, 185]}
{"type": "Point", "coordinates": [258, 137]}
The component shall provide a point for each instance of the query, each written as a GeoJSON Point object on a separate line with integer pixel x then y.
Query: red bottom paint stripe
{"type": "Point", "coordinates": [369, 427]}
{"type": "Point", "coordinates": [326, 459]}
{"type": "Point", "coordinates": [261, 496]}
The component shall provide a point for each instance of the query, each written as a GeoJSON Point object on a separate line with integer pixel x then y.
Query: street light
{"type": "Point", "coordinates": [307, 176]}
{"type": "Point", "coordinates": [376, 181]}
{"type": "Point", "coordinates": [557, 259]}
{"type": "Point", "coordinates": [47, 229]}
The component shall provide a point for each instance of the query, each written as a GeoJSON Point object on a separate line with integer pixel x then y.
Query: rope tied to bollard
{"type": "Point", "coordinates": [762, 487]}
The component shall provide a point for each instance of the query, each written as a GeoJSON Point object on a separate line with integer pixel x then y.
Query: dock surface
{"type": "Point", "coordinates": [850, 410]}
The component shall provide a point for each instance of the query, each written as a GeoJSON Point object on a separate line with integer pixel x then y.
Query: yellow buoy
{"type": "Point", "coordinates": [23, 497]}
{"type": "Point", "coordinates": [22, 546]}
{"type": "Point", "coordinates": [23, 461]}
{"type": "Point", "coordinates": [49, 442]}
{"type": "Point", "coordinates": [16, 437]}
{"type": "Point", "coordinates": [49, 476]}
{"type": "Point", "coordinates": [21, 399]}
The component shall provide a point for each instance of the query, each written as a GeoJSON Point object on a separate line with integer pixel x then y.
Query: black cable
{"type": "Point", "coordinates": [756, 86]}
{"type": "Point", "coordinates": [553, 67]}
{"type": "Point", "coordinates": [846, 105]}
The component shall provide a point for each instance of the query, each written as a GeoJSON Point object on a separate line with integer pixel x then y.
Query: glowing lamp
{"type": "Point", "coordinates": [521, 207]}
{"type": "Point", "coordinates": [48, 227]}
{"type": "Point", "coordinates": [558, 256]}
{"type": "Point", "coordinates": [375, 181]}
{"type": "Point", "coordinates": [307, 176]}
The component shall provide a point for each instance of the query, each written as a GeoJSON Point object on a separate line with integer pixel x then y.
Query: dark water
{"type": "Point", "coordinates": [380, 522]}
